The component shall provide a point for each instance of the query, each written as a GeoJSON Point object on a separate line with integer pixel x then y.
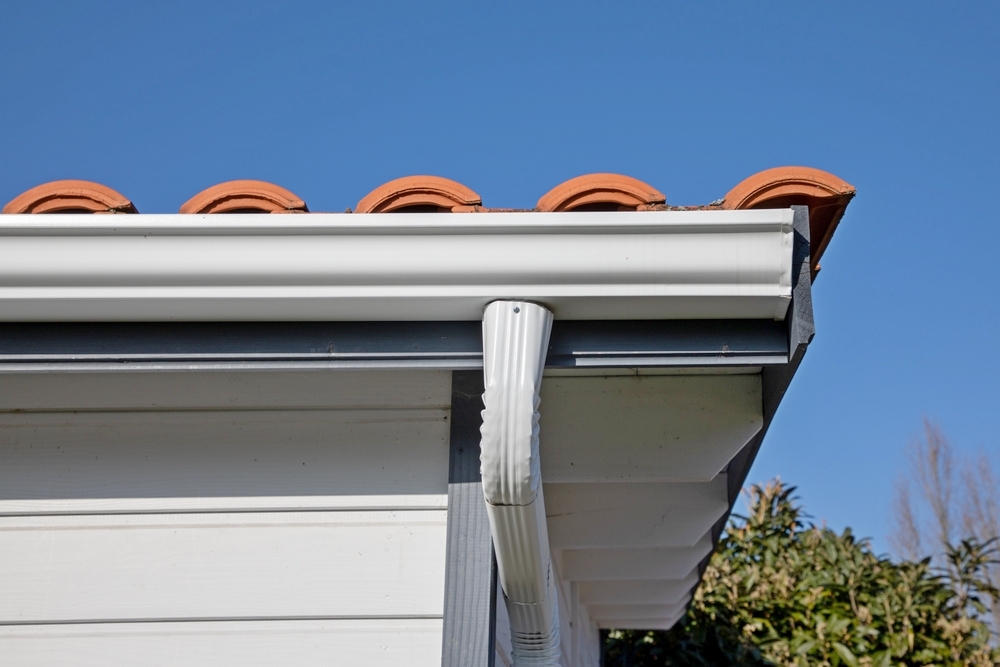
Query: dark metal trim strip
{"type": "Point", "coordinates": [447, 345]}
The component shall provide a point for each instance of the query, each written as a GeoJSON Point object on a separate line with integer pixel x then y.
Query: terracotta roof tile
{"type": "Point", "coordinates": [244, 196]}
{"type": "Point", "coordinates": [70, 197]}
{"type": "Point", "coordinates": [419, 193]}
{"type": "Point", "coordinates": [601, 192]}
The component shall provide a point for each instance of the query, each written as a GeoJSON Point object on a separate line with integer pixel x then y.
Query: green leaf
{"type": "Point", "coordinates": [845, 654]}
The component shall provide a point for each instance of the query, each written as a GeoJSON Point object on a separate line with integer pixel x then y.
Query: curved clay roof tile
{"type": "Point", "coordinates": [624, 192]}
{"type": "Point", "coordinates": [244, 195]}
{"type": "Point", "coordinates": [419, 193]}
{"type": "Point", "coordinates": [826, 196]}
{"type": "Point", "coordinates": [69, 197]}
{"type": "Point", "coordinates": [770, 184]}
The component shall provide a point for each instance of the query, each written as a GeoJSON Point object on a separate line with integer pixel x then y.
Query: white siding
{"type": "Point", "coordinates": [169, 390]}
{"type": "Point", "coordinates": [204, 519]}
{"type": "Point", "coordinates": [212, 565]}
{"type": "Point", "coordinates": [302, 643]}
{"type": "Point", "coordinates": [57, 459]}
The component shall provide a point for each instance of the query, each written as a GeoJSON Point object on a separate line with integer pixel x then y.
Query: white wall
{"type": "Point", "coordinates": [195, 519]}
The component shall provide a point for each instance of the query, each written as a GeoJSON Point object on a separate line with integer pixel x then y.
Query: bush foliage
{"type": "Point", "coordinates": [780, 591]}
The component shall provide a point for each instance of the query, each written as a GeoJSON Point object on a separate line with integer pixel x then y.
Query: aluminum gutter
{"type": "Point", "coordinates": [379, 267]}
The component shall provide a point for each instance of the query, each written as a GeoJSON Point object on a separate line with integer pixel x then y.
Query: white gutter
{"type": "Point", "coordinates": [515, 340]}
{"type": "Point", "coordinates": [448, 266]}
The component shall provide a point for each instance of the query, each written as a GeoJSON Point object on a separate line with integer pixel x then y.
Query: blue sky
{"type": "Point", "coordinates": [160, 100]}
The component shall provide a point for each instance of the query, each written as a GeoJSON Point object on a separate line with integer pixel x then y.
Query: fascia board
{"type": "Point", "coordinates": [391, 267]}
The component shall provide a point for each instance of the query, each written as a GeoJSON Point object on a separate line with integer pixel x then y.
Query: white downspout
{"type": "Point", "coordinates": [515, 341]}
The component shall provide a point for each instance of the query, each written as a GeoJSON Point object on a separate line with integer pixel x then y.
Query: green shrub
{"type": "Point", "coordinates": [779, 591]}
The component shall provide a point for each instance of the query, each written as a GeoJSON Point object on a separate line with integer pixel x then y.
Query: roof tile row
{"type": "Point", "coordinates": [826, 195]}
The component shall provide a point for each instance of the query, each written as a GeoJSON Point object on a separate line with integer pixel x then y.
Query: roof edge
{"type": "Point", "coordinates": [826, 195]}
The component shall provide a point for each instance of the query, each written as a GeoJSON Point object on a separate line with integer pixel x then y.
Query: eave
{"type": "Point", "coordinates": [629, 291]}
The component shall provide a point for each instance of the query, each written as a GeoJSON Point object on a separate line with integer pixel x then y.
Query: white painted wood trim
{"type": "Point", "coordinates": [131, 505]}
{"type": "Point", "coordinates": [515, 340]}
{"type": "Point", "coordinates": [347, 390]}
{"type": "Point", "coordinates": [269, 565]}
{"type": "Point", "coordinates": [193, 460]}
{"type": "Point", "coordinates": [373, 643]}
{"type": "Point", "coordinates": [624, 265]}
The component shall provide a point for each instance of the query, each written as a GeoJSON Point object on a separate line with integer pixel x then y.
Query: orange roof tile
{"type": "Point", "coordinates": [244, 196]}
{"type": "Point", "coordinates": [601, 192]}
{"type": "Point", "coordinates": [419, 193]}
{"type": "Point", "coordinates": [70, 196]}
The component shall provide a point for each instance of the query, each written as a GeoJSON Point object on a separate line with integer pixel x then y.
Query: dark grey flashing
{"type": "Point", "coordinates": [775, 380]}
{"type": "Point", "coordinates": [648, 343]}
{"type": "Point", "coordinates": [322, 345]}
{"type": "Point", "coordinates": [470, 586]}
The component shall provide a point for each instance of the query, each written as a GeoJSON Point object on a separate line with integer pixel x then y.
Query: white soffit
{"type": "Point", "coordinates": [621, 265]}
{"type": "Point", "coordinates": [639, 623]}
{"type": "Point", "coordinates": [665, 591]}
{"type": "Point", "coordinates": [631, 564]}
{"type": "Point", "coordinates": [643, 429]}
{"type": "Point", "coordinates": [638, 617]}
{"type": "Point", "coordinates": [644, 514]}
{"type": "Point", "coordinates": [639, 612]}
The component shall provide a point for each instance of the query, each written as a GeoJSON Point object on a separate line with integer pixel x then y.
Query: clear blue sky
{"type": "Point", "coordinates": [160, 100]}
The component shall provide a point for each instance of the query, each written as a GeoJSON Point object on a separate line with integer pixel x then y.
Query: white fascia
{"type": "Point", "coordinates": [433, 266]}
{"type": "Point", "coordinates": [515, 340]}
